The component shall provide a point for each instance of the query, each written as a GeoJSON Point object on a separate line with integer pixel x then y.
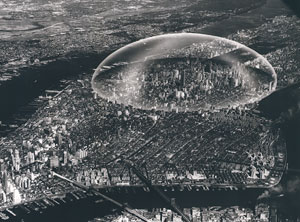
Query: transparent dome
{"type": "Point", "coordinates": [186, 72]}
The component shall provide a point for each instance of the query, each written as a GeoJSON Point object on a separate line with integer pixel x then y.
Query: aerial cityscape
{"type": "Point", "coordinates": [149, 111]}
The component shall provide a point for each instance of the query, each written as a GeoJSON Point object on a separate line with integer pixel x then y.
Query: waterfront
{"type": "Point", "coordinates": [90, 207]}
{"type": "Point", "coordinates": [44, 75]}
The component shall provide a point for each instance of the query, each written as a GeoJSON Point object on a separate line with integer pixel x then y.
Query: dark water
{"type": "Point", "coordinates": [293, 5]}
{"type": "Point", "coordinates": [34, 80]}
{"type": "Point", "coordinates": [251, 19]}
{"type": "Point", "coordinates": [283, 107]}
{"type": "Point", "coordinates": [87, 209]}
{"type": "Point", "coordinates": [18, 94]}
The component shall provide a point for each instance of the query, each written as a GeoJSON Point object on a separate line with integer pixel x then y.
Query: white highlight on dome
{"type": "Point", "coordinates": [186, 72]}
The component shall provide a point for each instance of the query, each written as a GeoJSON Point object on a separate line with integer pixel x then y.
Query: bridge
{"type": "Point", "coordinates": [166, 199]}
{"type": "Point", "coordinates": [118, 204]}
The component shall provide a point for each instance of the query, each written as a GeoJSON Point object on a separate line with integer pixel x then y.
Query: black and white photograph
{"type": "Point", "coordinates": [150, 110]}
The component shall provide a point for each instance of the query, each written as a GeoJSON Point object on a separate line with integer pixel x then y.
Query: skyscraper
{"type": "Point", "coordinates": [17, 160]}
{"type": "Point", "coordinates": [65, 159]}
{"type": "Point", "coordinates": [16, 197]}
{"type": "Point", "coordinates": [30, 157]}
{"type": "Point", "coordinates": [54, 161]}
{"type": "Point", "coordinates": [5, 182]}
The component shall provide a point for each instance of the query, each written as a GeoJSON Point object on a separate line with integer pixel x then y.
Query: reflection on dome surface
{"type": "Point", "coordinates": [184, 72]}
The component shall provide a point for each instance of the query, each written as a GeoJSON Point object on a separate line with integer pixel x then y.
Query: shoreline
{"type": "Point", "coordinates": [135, 198]}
